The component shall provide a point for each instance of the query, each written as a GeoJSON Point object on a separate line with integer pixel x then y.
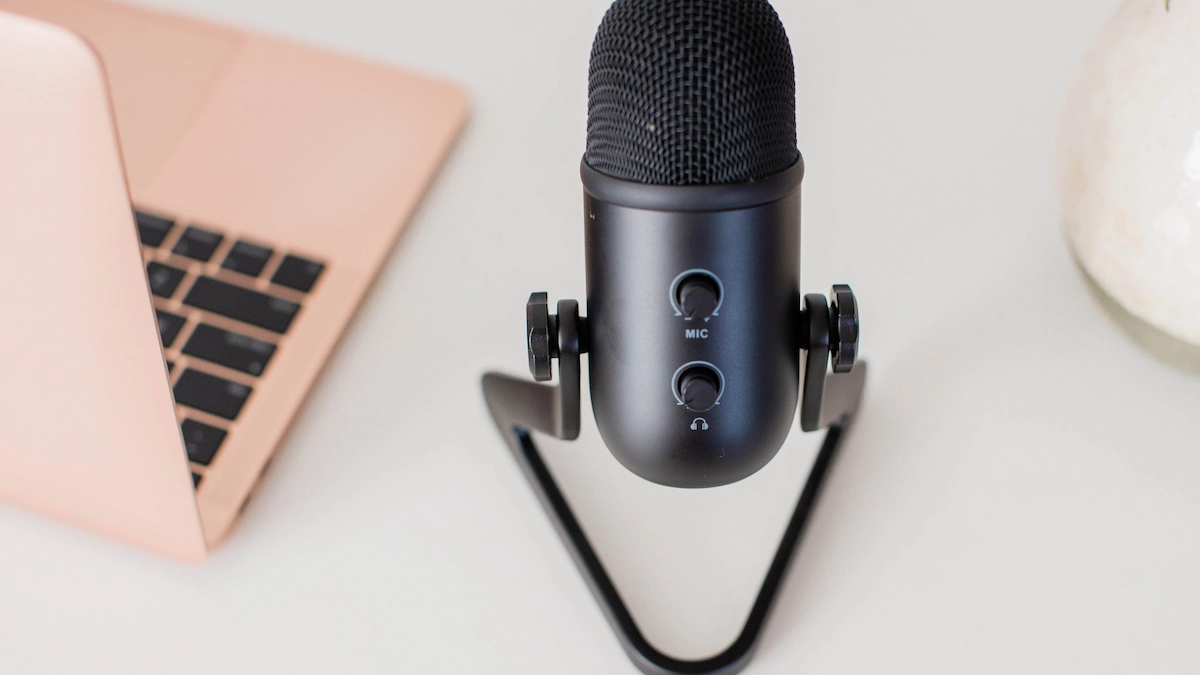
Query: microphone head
{"type": "Point", "coordinates": [691, 92]}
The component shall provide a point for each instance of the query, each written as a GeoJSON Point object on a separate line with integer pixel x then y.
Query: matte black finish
{"type": "Point", "coordinates": [694, 320]}
{"type": "Point", "coordinates": [164, 279]}
{"type": "Point", "coordinates": [212, 394]}
{"type": "Point", "coordinates": [519, 407]}
{"type": "Point", "coordinates": [700, 390]}
{"type": "Point", "coordinates": [698, 297]}
{"type": "Point", "coordinates": [169, 326]}
{"type": "Point", "coordinates": [247, 258]}
{"type": "Point", "coordinates": [152, 229]}
{"type": "Point", "coordinates": [198, 243]}
{"type": "Point", "coordinates": [843, 328]}
{"type": "Point", "coordinates": [298, 273]}
{"type": "Point", "coordinates": [255, 308]}
{"type": "Point", "coordinates": [230, 349]}
{"type": "Point", "coordinates": [540, 328]}
{"type": "Point", "coordinates": [201, 441]}
{"type": "Point", "coordinates": [642, 342]}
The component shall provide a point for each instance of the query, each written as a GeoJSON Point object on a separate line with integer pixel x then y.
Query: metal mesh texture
{"type": "Point", "coordinates": [691, 92]}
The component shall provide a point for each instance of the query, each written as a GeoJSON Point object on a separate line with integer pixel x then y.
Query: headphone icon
{"type": "Point", "coordinates": [699, 424]}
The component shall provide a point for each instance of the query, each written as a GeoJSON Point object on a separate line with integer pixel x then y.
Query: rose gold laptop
{"type": "Point", "coordinates": [150, 365]}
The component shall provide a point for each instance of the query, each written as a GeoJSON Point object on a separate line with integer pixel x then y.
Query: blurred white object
{"type": "Point", "coordinates": [1129, 172]}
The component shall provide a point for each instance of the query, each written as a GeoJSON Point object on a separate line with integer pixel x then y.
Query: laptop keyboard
{"type": "Point", "coordinates": [223, 304]}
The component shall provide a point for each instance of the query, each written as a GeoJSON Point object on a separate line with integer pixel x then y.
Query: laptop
{"type": "Point", "coordinates": [190, 215]}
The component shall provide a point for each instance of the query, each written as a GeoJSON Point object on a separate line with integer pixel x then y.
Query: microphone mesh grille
{"type": "Point", "coordinates": [691, 92]}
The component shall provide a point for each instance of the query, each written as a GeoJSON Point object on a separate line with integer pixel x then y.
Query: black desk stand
{"type": "Point", "coordinates": [520, 407]}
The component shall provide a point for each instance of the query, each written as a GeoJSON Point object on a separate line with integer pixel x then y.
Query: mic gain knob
{"type": "Point", "coordinates": [698, 296]}
{"type": "Point", "coordinates": [699, 388]}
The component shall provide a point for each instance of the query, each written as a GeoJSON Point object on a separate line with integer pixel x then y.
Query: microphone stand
{"type": "Point", "coordinates": [519, 407]}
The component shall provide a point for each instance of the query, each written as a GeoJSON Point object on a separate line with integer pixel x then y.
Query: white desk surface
{"type": "Point", "coordinates": [1021, 493]}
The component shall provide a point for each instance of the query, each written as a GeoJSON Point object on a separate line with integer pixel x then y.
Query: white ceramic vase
{"type": "Point", "coordinates": [1129, 172]}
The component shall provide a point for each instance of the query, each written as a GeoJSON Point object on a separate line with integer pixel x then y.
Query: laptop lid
{"type": "Point", "coordinates": [88, 432]}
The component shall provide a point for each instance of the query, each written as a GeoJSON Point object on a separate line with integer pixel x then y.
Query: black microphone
{"type": "Point", "coordinates": [695, 328]}
{"type": "Point", "coordinates": [692, 180]}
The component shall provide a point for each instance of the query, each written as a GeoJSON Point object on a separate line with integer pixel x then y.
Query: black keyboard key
{"type": "Point", "coordinates": [298, 273]}
{"type": "Point", "coordinates": [168, 326]}
{"type": "Point", "coordinates": [164, 279]}
{"type": "Point", "coordinates": [232, 350]}
{"type": "Point", "coordinates": [196, 478]}
{"type": "Point", "coordinates": [247, 258]}
{"type": "Point", "coordinates": [257, 309]}
{"type": "Point", "coordinates": [202, 441]}
{"type": "Point", "coordinates": [198, 243]}
{"type": "Point", "coordinates": [153, 229]}
{"type": "Point", "coordinates": [214, 395]}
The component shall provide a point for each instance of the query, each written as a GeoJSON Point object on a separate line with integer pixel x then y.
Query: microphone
{"type": "Point", "coordinates": [691, 180]}
{"type": "Point", "coordinates": [695, 328]}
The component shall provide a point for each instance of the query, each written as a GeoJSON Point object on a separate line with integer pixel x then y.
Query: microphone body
{"type": "Point", "coordinates": [692, 214]}
{"type": "Point", "coordinates": [692, 308]}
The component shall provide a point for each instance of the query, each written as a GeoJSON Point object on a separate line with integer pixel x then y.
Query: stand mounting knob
{"type": "Point", "coordinates": [843, 328]}
{"type": "Point", "coordinates": [542, 336]}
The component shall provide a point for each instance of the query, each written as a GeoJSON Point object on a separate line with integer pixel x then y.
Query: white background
{"type": "Point", "coordinates": [1020, 494]}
